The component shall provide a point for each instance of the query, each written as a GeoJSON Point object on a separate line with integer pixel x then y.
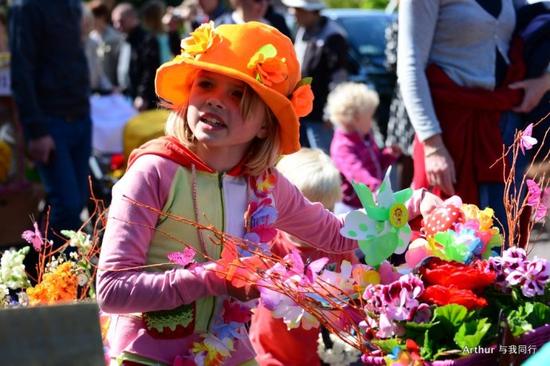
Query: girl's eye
{"type": "Point", "coordinates": [204, 84]}
{"type": "Point", "coordinates": [238, 93]}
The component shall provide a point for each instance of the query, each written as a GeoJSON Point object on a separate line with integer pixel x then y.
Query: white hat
{"type": "Point", "coordinates": [305, 4]}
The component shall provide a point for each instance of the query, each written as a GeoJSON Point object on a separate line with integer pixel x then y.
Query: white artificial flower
{"type": "Point", "coordinates": [12, 269]}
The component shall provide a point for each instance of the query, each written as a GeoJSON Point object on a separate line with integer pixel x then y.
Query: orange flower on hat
{"type": "Point", "coordinates": [269, 68]}
{"type": "Point", "coordinates": [199, 40]}
{"type": "Point", "coordinates": [302, 98]}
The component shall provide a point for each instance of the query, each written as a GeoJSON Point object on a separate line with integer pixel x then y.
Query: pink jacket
{"type": "Point", "coordinates": [358, 159]}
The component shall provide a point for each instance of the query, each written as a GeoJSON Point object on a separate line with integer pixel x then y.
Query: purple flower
{"type": "Point", "coordinates": [182, 258]}
{"type": "Point", "coordinates": [526, 141]}
{"type": "Point", "coordinates": [33, 237]}
{"type": "Point", "coordinates": [532, 276]}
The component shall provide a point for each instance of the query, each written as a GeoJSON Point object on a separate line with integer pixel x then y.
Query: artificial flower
{"type": "Point", "coordinates": [484, 217]}
{"type": "Point", "coordinates": [454, 274]}
{"type": "Point", "coordinates": [269, 69]}
{"type": "Point", "coordinates": [233, 311]}
{"type": "Point", "coordinates": [199, 41]}
{"type": "Point", "coordinates": [526, 140]}
{"type": "Point", "coordinates": [302, 100]}
{"type": "Point", "coordinates": [183, 258]}
{"type": "Point", "coordinates": [441, 295]}
{"type": "Point", "coordinates": [263, 185]}
{"type": "Point", "coordinates": [259, 220]}
{"type": "Point", "coordinates": [538, 199]}
{"type": "Point", "coordinates": [532, 276]}
{"type": "Point", "coordinates": [33, 237]}
{"type": "Point", "coordinates": [59, 285]}
{"type": "Point", "coordinates": [12, 269]}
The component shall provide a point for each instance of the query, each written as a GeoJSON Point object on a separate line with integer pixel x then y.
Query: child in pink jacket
{"type": "Point", "coordinates": [353, 149]}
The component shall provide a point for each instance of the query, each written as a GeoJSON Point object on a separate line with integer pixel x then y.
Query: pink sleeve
{"type": "Point", "coordinates": [121, 289]}
{"type": "Point", "coordinates": [307, 221]}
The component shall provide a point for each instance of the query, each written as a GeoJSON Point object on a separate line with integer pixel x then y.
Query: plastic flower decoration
{"type": "Point", "coordinates": [526, 141]}
{"type": "Point", "coordinates": [302, 97]}
{"type": "Point", "coordinates": [538, 199]}
{"type": "Point", "coordinates": [268, 68]}
{"type": "Point", "coordinates": [183, 258]}
{"type": "Point", "coordinates": [33, 237]}
{"type": "Point", "coordinates": [383, 229]}
{"type": "Point", "coordinates": [200, 40]}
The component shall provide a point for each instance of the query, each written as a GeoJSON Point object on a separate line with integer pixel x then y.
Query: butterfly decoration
{"type": "Point", "coordinates": [526, 141]}
{"type": "Point", "coordinates": [382, 228]}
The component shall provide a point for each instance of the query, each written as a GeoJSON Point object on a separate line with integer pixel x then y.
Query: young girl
{"type": "Point", "coordinates": [353, 149]}
{"type": "Point", "coordinates": [236, 99]}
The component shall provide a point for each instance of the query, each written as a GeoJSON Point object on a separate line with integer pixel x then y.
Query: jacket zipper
{"type": "Point", "coordinates": [220, 187]}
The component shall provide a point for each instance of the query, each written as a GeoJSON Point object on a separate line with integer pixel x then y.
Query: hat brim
{"type": "Point", "coordinates": [174, 80]}
{"type": "Point", "coordinates": [300, 4]}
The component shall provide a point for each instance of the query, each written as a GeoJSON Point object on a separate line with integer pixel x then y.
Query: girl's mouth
{"type": "Point", "coordinates": [212, 120]}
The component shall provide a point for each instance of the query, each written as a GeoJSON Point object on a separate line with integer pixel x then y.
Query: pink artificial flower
{"type": "Point", "coordinates": [526, 141]}
{"type": "Point", "coordinates": [33, 237]}
{"type": "Point", "coordinates": [538, 199]}
{"type": "Point", "coordinates": [183, 258]}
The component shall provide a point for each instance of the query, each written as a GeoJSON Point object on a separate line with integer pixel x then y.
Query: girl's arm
{"type": "Point", "coordinates": [320, 228]}
{"type": "Point", "coordinates": [306, 221]}
{"type": "Point", "coordinates": [123, 288]}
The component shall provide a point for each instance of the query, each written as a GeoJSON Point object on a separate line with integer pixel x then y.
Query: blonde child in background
{"type": "Point", "coordinates": [353, 150]}
{"type": "Point", "coordinates": [312, 171]}
{"type": "Point", "coordinates": [235, 98]}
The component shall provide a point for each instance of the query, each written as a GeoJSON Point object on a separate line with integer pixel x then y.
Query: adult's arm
{"type": "Point", "coordinates": [123, 288]}
{"type": "Point", "coordinates": [26, 25]}
{"type": "Point", "coordinates": [417, 22]}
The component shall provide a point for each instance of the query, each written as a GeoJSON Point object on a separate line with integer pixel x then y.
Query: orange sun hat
{"type": "Point", "coordinates": [253, 52]}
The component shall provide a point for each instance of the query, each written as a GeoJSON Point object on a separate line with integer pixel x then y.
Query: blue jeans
{"type": "Point", "coordinates": [492, 194]}
{"type": "Point", "coordinates": [65, 177]}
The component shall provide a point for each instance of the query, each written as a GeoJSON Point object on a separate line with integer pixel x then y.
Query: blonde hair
{"type": "Point", "coordinates": [349, 100]}
{"type": "Point", "coordinates": [262, 153]}
{"type": "Point", "coordinates": [312, 171]}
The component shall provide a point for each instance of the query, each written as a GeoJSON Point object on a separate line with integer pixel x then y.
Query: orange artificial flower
{"type": "Point", "coordinates": [302, 100]}
{"type": "Point", "coordinates": [57, 286]}
{"type": "Point", "coordinates": [269, 68]}
{"type": "Point", "coordinates": [200, 40]}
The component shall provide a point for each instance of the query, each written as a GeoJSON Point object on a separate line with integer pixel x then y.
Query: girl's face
{"type": "Point", "coordinates": [363, 123]}
{"type": "Point", "coordinates": [214, 115]}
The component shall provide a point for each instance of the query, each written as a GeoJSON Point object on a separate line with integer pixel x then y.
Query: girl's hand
{"type": "Point", "coordinates": [245, 293]}
{"type": "Point", "coordinates": [534, 91]}
{"type": "Point", "coordinates": [440, 168]}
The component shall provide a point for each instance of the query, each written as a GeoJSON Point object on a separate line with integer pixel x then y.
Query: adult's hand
{"type": "Point", "coordinates": [534, 90]}
{"type": "Point", "coordinates": [440, 168]}
{"type": "Point", "coordinates": [40, 149]}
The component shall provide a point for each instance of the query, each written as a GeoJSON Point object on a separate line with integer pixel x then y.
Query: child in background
{"type": "Point", "coordinates": [235, 98]}
{"type": "Point", "coordinates": [312, 171]}
{"type": "Point", "coordinates": [350, 107]}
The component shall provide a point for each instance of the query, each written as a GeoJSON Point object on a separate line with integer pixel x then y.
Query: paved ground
{"type": "Point", "coordinates": [540, 242]}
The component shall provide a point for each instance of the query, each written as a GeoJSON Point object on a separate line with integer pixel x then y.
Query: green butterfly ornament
{"type": "Point", "coordinates": [382, 227]}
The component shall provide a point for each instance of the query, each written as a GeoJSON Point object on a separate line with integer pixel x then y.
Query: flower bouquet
{"type": "Point", "coordinates": [454, 300]}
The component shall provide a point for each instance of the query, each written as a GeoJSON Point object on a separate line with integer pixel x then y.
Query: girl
{"type": "Point", "coordinates": [350, 107]}
{"type": "Point", "coordinates": [236, 98]}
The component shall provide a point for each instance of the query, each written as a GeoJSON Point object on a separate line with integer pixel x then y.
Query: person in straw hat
{"type": "Point", "coordinates": [235, 95]}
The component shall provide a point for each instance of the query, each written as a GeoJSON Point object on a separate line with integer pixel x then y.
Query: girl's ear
{"type": "Point", "coordinates": [262, 133]}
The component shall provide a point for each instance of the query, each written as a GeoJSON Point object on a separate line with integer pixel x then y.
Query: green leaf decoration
{"type": "Point", "coordinates": [527, 317]}
{"type": "Point", "coordinates": [268, 51]}
{"type": "Point", "coordinates": [387, 345]}
{"type": "Point", "coordinates": [305, 81]}
{"type": "Point", "coordinates": [452, 314]}
{"type": "Point", "coordinates": [471, 333]}
{"type": "Point", "coordinates": [379, 248]}
{"type": "Point", "coordinates": [364, 193]}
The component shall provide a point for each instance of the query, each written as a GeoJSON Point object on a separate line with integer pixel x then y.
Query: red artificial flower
{"type": "Point", "coordinates": [440, 295]}
{"type": "Point", "coordinates": [459, 275]}
{"type": "Point", "coordinates": [235, 312]}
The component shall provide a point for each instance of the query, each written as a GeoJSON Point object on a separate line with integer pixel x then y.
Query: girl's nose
{"type": "Point", "coordinates": [214, 102]}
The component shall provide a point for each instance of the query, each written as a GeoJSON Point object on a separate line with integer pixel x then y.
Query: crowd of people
{"type": "Point", "coordinates": [240, 96]}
